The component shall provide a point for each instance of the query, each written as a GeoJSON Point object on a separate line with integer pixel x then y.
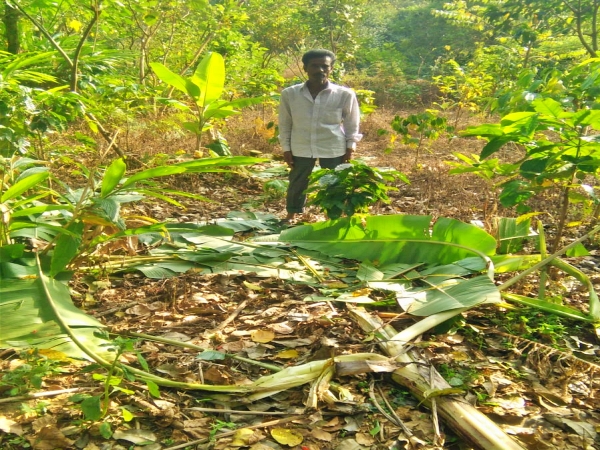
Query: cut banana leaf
{"type": "Point", "coordinates": [37, 312]}
{"type": "Point", "coordinates": [460, 294]}
{"type": "Point", "coordinates": [394, 239]}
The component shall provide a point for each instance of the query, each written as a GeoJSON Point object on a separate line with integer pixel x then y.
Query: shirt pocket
{"type": "Point", "coordinates": [332, 116]}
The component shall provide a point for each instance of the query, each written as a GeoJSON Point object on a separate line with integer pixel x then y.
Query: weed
{"type": "Point", "coordinates": [16, 442]}
{"type": "Point", "coordinates": [457, 376]}
{"type": "Point", "coordinates": [30, 374]}
{"type": "Point", "coordinates": [534, 325]}
{"type": "Point", "coordinates": [219, 425]}
{"type": "Point", "coordinates": [38, 409]}
{"type": "Point", "coordinates": [400, 397]}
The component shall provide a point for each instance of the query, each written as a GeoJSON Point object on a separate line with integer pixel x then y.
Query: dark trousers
{"type": "Point", "coordinates": [298, 177]}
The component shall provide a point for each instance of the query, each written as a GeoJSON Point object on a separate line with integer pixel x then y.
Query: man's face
{"type": "Point", "coordinates": [318, 70]}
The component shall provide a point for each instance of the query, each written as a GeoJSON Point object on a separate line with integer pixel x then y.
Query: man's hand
{"type": "Point", "coordinates": [288, 158]}
{"type": "Point", "coordinates": [348, 155]}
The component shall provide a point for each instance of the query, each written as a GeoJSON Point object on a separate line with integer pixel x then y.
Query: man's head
{"type": "Point", "coordinates": [318, 65]}
{"type": "Point", "coordinates": [319, 53]}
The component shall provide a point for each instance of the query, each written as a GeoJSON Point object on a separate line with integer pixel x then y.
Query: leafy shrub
{"type": "Point", "coordinates": [350, 188]}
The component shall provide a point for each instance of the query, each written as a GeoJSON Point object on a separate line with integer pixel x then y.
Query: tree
{"type": "Point", "coordinates": [422, 37]}
{"type": "Point", "coordinates": [11, 28]}
{"type": "Point", "coordinates": [532, 22]}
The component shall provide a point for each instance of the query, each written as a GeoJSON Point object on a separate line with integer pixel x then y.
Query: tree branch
{"type": "Point", "coordinates": [48, 36]}
{"type": "Point", "coordinates": [86, 33]}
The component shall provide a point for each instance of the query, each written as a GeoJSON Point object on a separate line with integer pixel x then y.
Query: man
{"type": "Point", "coordinates": [317, 120]}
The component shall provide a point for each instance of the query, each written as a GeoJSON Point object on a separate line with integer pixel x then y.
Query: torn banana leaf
{"type": "Point", "coordinates": [37, 311]}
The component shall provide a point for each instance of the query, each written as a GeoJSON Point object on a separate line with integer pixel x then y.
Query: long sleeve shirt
{"type": "Point", "coordinates": [323, 127]}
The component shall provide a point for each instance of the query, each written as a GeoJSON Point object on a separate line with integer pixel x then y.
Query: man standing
{"type": "Point", "coordinates": [317, 120]}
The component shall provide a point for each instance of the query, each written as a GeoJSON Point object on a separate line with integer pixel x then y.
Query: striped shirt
{"type": "Point", "coordinates": [323, 127]}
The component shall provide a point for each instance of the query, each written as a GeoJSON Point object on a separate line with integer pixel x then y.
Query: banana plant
{"type": "Point", "coordinates": [205, 89]}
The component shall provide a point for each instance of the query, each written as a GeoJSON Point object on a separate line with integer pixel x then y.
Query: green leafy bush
{"type": "Point", "coordinates": [350, 188]}
{"type": "Point", "coordinates": [415, 129]}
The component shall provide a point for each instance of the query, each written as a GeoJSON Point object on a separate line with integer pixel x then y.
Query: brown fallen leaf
{"type": "Point", "coordinates": [43, 422]}
{"type": "Point", "coordinates": [217, 376]}
{"type": "Point", "coordinates": [364, 439]}
{"type": "Point", "coordinates": [49, 438]}
{"type": "Point", "coordinates": [321, 435]}
{"type": "Point", "coordinates": [10, 426]}
{"type": "Point", "coordinates": [135, 436]}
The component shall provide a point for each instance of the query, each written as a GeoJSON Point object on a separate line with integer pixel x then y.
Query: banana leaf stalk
{"type": "Point", "coordinates": [318, 372]}
{"type": "Point", "coordinates": [415, 373]}
{"type": "Point", "coordinates": [553, 260]}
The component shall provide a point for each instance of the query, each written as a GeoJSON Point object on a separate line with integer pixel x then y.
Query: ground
{"type": "Point", "coordinates": [532, 373]}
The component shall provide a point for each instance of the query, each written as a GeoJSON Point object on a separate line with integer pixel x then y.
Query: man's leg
{"type": "Point", "coordinates": [298, 183]}
{"type": "Point", "coordinates": [331, 163]}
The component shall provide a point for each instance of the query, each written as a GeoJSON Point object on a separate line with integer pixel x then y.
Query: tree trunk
{"type": "Point", "coordinates": [11, 28]}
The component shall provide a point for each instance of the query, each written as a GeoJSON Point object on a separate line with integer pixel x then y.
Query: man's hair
{"type": "Point", "coordinates": [318, 53]}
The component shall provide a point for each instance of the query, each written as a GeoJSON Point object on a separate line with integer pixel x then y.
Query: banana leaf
{"type": "Point", "coordinates": [394, 239]}
{"type": "Point", "coordinates": [461, 294]}
{"type": "Point", "coordinates": [412, 251]}
{"type": "Point", "coordinates": [37, 312]}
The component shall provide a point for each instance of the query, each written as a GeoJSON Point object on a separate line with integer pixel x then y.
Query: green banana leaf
{"type": "Point", "coordinates": [463, 294]}
{"type": "Point", "coordinates": [37, 311]}
{"type": "Point", "coordinates": [398, 250]}
{"type": "Point", "coordinates": [394, 239]}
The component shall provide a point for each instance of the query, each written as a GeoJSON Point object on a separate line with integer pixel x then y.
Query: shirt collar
{"type": "Point", "coordinates": [329, 86]}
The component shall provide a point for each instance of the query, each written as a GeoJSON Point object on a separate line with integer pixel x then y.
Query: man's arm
{"type": "Point", "coordinates": [285, 128]}
{"type": "Point", "coordinates": [351, 125]}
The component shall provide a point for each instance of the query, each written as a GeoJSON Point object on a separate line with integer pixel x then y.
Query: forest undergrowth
{"type": "Point", "coordinates": [533, 373]}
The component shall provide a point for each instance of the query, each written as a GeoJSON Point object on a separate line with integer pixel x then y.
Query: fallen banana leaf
{"type": "Point", "coordinates": [37, 311]}
{"type": "Point", "coordinates": [394, 238]}
{"type": "Point", "coordinates": [553, 259]}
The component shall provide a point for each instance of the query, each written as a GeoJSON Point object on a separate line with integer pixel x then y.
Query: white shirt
{"type": "Point", "coordinates": [323, 127]}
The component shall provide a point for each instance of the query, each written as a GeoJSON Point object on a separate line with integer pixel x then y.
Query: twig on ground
{"type": "Point", "coordinates": [398, 420]}
{"type": "Point", "coordinates": [392, 417]}
{"type": "Point", "coordinates": [35, 395]}
{"type": "Point", "coordinates": [232, 411]}
{"type": "Point", "coordinates": [233, 315]}
{"type": "Point", "coordinates": [434, 415]}
{"type": "Point", "coordinates": [116, 309]}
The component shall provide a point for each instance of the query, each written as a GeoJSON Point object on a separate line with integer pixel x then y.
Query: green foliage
{"type": "Point", "coordinates": [463, 89]}
{"type": "Point", "coordinates": [75, 222]}
{"type": "Point", "coordinates": [487, 169]}
{"type": "Point", "coordinates": [28, 109]}
{"type": "Point", "coordinates": [554, 126]}
{"type": "Point", "coordinates": [275, 189]}
{"type": "Point", "coordinates": [562, 156]}
{"type": "Point", "coordinates": [95, 407]}
{"type": "Point", "coordinates": [350, 188]}
{"type": "Point", "coordinates": [574, 89]}
{"type": "Point", "coordinates": [366, 99]}
{"type": "Point", "coordinates": [417, 128]}
{"type": "Point", "coordinates": [204, 88]}
{"type": "Point", "coordinates": [30, 373]}
{"type": "Point", "coordinates": [412, 36]}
